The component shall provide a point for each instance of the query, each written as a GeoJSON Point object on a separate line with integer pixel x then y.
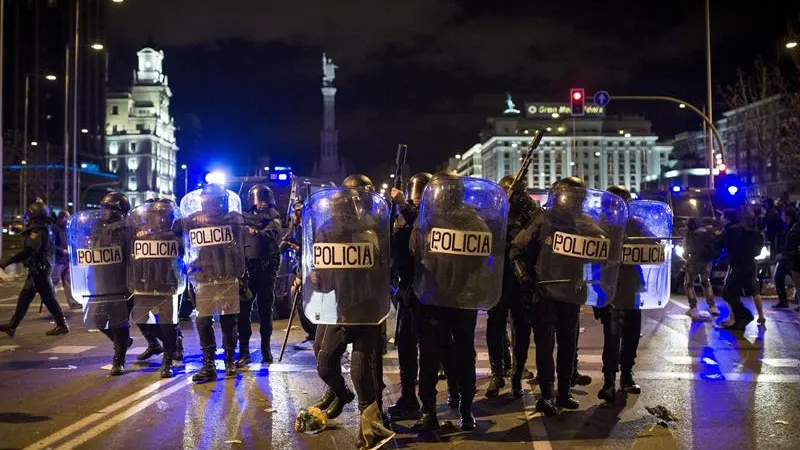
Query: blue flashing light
{"type": "Point", "coordinates": [676, 188]}
{"type": "Point", "coordinates": [733, 190]}
{"type": "Point", "coordinates": [282, 177]}
{"type": "Point", "coordinates": [281, 168]}
{"type": "Point", "coordinates": [216, 177]}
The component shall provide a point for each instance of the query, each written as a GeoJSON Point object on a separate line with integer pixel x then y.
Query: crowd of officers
{"type": "Point", "coordinates": [433, 342]}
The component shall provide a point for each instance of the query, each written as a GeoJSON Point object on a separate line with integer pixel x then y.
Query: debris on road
{"type": "Point", "coordinates": [664, 415]}
{"type": "Point", "coordinates": [781, 422]}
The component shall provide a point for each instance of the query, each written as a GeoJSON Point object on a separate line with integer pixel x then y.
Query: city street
{"type": "Point", "coordinates": [727, 392]}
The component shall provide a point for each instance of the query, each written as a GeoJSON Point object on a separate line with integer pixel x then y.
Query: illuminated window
{"type": "Point", "coordinates": [132, 186]}
{"type": "Point", "coordinates": [133, 163]}
{"type": "Point", "coordinates": [112, 165]}
{"type": "Point", "coordinates": [113, 147]}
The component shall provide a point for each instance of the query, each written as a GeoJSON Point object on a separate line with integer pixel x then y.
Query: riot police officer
{"type": "Point", "coordinates": [622, 322]}
{"type": "Point", "coordinates": [215, 264]}
{"type": "Point", "coordinates": [538, 254]}
{"type": "Point", "coordinates": [37, 256]}
{"type": "Point", "coordinates": [347, 294]}
{"type": "Point", "coordinates": [156, 277]}
{"type": "Point", "coordinates": [358, 181]}
{"type": "Point", "coordinates": [520, 209]}
{"type": "Point", "coordinates": [407, 406]}
{"type": "Point", "coordinates": [262, 227]}
{"type": "Point", "coordinates": [453, 243]}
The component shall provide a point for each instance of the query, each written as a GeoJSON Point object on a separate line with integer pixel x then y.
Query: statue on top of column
{"type": "Point", "coordinates": [328, 71]}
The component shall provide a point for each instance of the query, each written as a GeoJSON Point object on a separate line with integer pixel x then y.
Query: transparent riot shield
{"type": "Point", "coordinates": [459, 243]}
{"type": "Point", "coordinates": [156, 271]}
{"type": "Point", "coordinates": [213, 235]}
{"type": "Point", "coordinates": [346, 260]}
{"type": "Point", "coordinates": [581, 246]}
{"type": "Point", "coordinates": [644, 278]}
{"type": "Point", "coordinates": [98, 253]}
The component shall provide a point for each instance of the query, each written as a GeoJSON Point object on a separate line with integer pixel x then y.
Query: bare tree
{"type": "Point", "coordinates": [766, 119]}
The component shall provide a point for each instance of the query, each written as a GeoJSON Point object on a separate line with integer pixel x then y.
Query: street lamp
{"type": "Point", "coordinates": [34, 143]}
{"type": "Point", "coordinates": [24, 176]}
{"type": "Point", "coordinates": [682, 106]}
{"type": "Point", "coordinates": [50, 77]}
{"type": "Point", "coordinates": [84, 130]}
{"type": "Point", "coordinates": [791, 44]}
{"type": "Point", "coordinates": [97, 46]}
{"type": "Point", "coordinates": [185, 179]}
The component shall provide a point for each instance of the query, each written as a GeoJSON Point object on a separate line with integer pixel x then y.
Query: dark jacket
{"type": "Point", "coordinates": [264, 243]}
{"type": "Point", "coordinates": [402, 259]}
{"type": "Point", "coordinates": [37, 252]}
{"type": "Point", "coordinates": [61, 244]}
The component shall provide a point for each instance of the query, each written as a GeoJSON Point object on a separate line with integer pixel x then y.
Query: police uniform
{"type": "Point", "coordinates": [521, 206]}
{"type": "Point", "coordinates": [262, 227]}
{"type": "Point", "coordinates": [216, 269]}
{"type": "Point", "coordinates": [622, 325]}
{"type": "Point", "coordinates": [741, 242]}
{"type": "Point", "coordinates": [555, 316]}
{"type": "Point", "coordinates": [36, 255]}
{"type": "Point", "coordinates": [407, 406]}
{"type": "Point", "coordinates": [348, 299]}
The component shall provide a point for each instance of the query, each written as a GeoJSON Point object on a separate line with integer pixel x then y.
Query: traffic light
{"type": "Point", "coordinates": [576, 101]}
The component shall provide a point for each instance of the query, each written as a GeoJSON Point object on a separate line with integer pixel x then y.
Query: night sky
{"type": "Point", "coordinates": [246, 75]}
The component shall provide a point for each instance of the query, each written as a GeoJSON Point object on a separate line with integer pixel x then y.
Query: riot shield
{"type": "Point", "coordinates": [644, 278]}
{"type": "Point", "coordinates": [346, 260]}
{"type": "Point", "coordinates": [213, 235]}
{"type": "Point", "coordinates": [98, 253]}
{"type": "Point", "coordinates": [459, 243]}
{"type": "Point", "coordinates": [156, 272]}
{"type": "Point", "coordinates": [581, 243]}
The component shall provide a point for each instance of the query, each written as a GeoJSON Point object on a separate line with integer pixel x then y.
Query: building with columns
{"type": "Point", "coordinates": [604, 151]}
{"type": "Point", "coordinates": [140, 132]}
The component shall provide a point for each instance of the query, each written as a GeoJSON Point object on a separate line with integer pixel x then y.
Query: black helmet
{"type": "Point", "coordinates": [346, 203]}
{"type": "Point", "coordinates": [214, 199]}
{"type": "Point", "coordinates": [37, 212]}
{"type": "Point", "coordinates": [621, 192]}
{"type": "Point", "coordinates": [449, 189]}
{"type": "Point", "coordinates": [358, 180]}
{"type": "Point", "coordinates": [569, 182]}
{"type": "Point", "coordinates": [117, 202]}
{"type": "Point", "coordinates": [506, 182]}
{"type": "Point", "coordinates": [416, 185]}
{"type": "Point", "coordinates": [260, 197]}
{"type": "Point", "coordinates": [151, 200]}
{"type": "Point", "coordinates": [62, 215]}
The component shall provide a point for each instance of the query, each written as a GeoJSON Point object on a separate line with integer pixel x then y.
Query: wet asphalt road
{"type": "Point", "coordinates": [729, 392]}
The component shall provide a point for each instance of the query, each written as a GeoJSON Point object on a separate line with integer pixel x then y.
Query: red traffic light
{"type": "Point", "coordinates": [722, 167]}
{"type": "Point", "coordinates": [576, 98]}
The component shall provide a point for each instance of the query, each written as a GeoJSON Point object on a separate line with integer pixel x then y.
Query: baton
{"type": "Point", "coordinates": [289, 327]}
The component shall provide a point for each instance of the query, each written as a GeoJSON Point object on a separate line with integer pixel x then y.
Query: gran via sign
{"type": "Point", "coordinates": [556, 110]}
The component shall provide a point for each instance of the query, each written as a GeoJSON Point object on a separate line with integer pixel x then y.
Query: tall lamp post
{"type": "Point", "coordinates": [185, 170]}
{"type": "Point", "coordinates": [25, 141]}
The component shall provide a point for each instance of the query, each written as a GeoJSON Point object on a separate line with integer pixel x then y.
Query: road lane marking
{"type": "Point", "coordinates": [99, 415]}
{"type": "Point", "coordinates": [590, 359]}
{"type": "Point", "coordinates": [679, 304]}
{"type": "Point", "coordinates": [69, 349]}
{"type": "Point", "coordinates": [8, 347]}
{"type": "Point", "coordinates": [781, 362]}
{"type": "Point", "coordinates": [95, 431]}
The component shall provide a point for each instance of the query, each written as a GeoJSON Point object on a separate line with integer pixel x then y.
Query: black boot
{"type": "Point", "coordinates": [178, 349]}
{"type": "Point", "coordinates": [166, 366]}
{"type": "Point", "coordinates": [453, 397]}
{"type": "Point", "coordinates": [208, 372]}
{"type": "Point", "coordinates": [627, 384]}
{"type": "Point", "coordinates": [120, 350]}
{"type": "Point", "coordinates": [467, 419]}
{"type": "Point", "coordinates": [325, 401]}
{"type": "Point", "coordinates": [8, 329]}
{"type": "Point", "coordinates": [266, 355]}
{"type": "Point", "coordinates": [153, 348]}
{"type": "Point", "coordinates": [495, 384]}
{"type": "Point", "coordinates": [58, 329]}
{"type": "Point", "coordinates": [336, 407]}
{"type": "Point", "coordinates": [516, 384]}
{"type": "Point", "coordinates": [579, 379]}
{"type": "Point", "coordinates": [428, 421]}
{"type": "Point", "coordinates": [406, 408]}
{"type": "Point", "coordinates": [244, 354]}
{"type": "Point", "coordinates": [546, 403]}
{"type": "Point", "coordinates": [230, 365]}
{"type": "Point", "coordinates": [609, 390]}
{"type": "Point", "coordinates": [565, 398]}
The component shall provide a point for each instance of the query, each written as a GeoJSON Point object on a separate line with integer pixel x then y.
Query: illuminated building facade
{"type": "Point", "coordinates": [140, 133]}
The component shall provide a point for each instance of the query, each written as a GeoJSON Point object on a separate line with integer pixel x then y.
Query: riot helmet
{"type": "Point", "coordinates": [346, 203]}
{"type": "Point", "coordinates": [416, 185]}
{"type": "Point", "coordinates": [62, 218]}
{"type": "Point", "coordinates": [358, 180]}
{"type": "Point", "coordinates": [621, 192]}
{"type": "Point", "coordinates": [569, 182]}
{"type": "Point", "coordinates": [449, 189]}
{"type": "Point", "coordinates": [38, 213]}
{"type": "Point", "coordinates": [693, 224]}
{"type": "Point", "coordinates": [507, 181]}
{"type": "Point", "coordinates": [214, 199]}
{"type": "Point", "coordinates": [260, 197]}
{"type": "Point", "coordinates": [115, 205]}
